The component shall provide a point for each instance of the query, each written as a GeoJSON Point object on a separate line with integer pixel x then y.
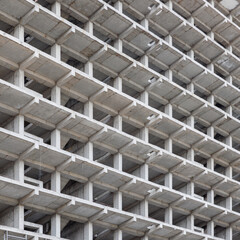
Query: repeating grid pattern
{"type": "Point", "coordinates": [119, 120]}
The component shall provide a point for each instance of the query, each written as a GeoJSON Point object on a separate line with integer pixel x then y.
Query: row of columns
{"type": "Point", "coordinates": [18, 127]}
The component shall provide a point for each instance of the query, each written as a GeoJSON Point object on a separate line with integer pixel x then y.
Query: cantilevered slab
{"type": "Point", "coordinates": [11, 50]}
{"type": "Point", "coordinates": [227, 31]}
{"type": "Point", "coordinates": [188, 170]}
{"type": "Point", "coordinates": [207, 17]}
{"type": "Point", "coordinates": [207, 50]}
{"type": "Point", "coordinates": [138, 38]}
{"type": "Point", "coordinates": [140, 113]}
{"type": "Point", "coordinates": [82, 208]}
{"type": "Point", "coordinates": [141, 6]}
{"type": "Point", "coordinates": [166, 126]}
{"type": "Point", "coordinates": [85, 7]}
{"type": "Point", "coordinates": [49, 155]}
{"type": "Point", "coordinates": [189, 204]}
{"type": "Point", "coordinates": [227, 63]}
{"type": "Point", "coordinates": [163, 56]}
{"type": "Point", "coordinates": [47, 111]}
{"type": "Point", "coordinates": [107, 18]}
{"type": "Point", "coordinates": [166, 160]}
{"type": "Point", "coordinates": [16, 9]}
{"type": "Point", "coordinates": [167, 231]}
{"type": "Point", "coordinates": [186, 35]}
{"type": "Point", "coordinates": [53, 27]}
{"type": "Point", "coordinates": [80, 42]}
{"type": "Point", "coordinates": [189, 6]}
{"type": "Point", "coordinates": [139, 74]}
{"type": "Point", "coordinates": [185, 68]}
{"type": "Point", "coordinates": [46, 199]}
{"type": "Point", "coordinates": [210, 178]}
{"type": "Point", "coordinates": [207, 81]}
{"type": "Point", "coordinates": [13, 142]}
{"type": "Point", "coordinates": [81, 167]}
{"type": "Point", "coordinates": [13, 189]}
{"type": "Point", "coordinates": [207, 114]}
{"type": "Point", "coordinates": [187, 102]}
{"type": "Point", "coordinates": [82, 127]}
{"type": "Point", "coordinates": [109, 60]}
{"type": "Point", "coordinates": [13, 96]}
{"type": "Point", "coordinates": [208, 147]}
{"type": "Point", "coordinates": [112, 138]}
{"type": "Point", "coordinates": [110, 99]}
{"type": "Point", "coordinates": [163, 20]}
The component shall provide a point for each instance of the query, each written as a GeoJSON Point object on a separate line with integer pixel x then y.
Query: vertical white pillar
{"type": "Point", "coordinates": [56, 225]}
{"type": "Point", "coordinates": [19, 217]}
{"type": "Point", "coordinates": [168, 218]}
{"type": "Point", "coordinates": [19, 32]}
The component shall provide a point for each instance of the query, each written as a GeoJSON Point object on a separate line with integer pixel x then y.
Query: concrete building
{"type": "Point", "coordinates": [119, 119]}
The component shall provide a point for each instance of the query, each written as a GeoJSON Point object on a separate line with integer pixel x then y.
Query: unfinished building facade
{"type": "Point", "coordinates": [119, 120]}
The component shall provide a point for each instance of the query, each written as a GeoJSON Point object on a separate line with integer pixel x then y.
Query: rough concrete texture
{"type": "Point", "coordinates": [119, 120]}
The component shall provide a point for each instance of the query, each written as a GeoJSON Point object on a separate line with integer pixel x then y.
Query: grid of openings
{"type": "Point", "coordinates": [119, 120]}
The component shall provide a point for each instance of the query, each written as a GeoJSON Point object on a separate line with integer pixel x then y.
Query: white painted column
{"type": "Point", "coordinates": [56, 134]}
{"type": "Point", "coordinates": [210, 199]}
{"type": "Point", "coordinates": [88, 148]}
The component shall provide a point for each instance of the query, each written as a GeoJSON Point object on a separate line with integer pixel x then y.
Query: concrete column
{"type": "Point", "coordinates": [210, 132]}
{"type": "Point", "coordinates": [19, 170]}
{"type": "Point", "coordinates": [168, 218]}
{"type": "Point", "coordinates": [229, 79]}
{"type": "Point", "coordinates": [117, 123]}
{"type": "Point", "coordinates": [117, 83]}
{"type": "Point", "coordinates": [210, 163]}
{"type": "Point", "coordinates": [168, 39]}
{"type": "Point", "coordinates": [117, 235]}
{"type": "Point", "coordinates": [19, 32]}
{"type": "Point", "coordinates": [88, 148]}
{"type": "Point", "coordinates": [144, 97]}
{"type": "Point", "coordinates": [18, 124]}
{"type": "Point", "coordinates": [191, 54]}
{"type": "Point", "coordinates": [168, 180]}
{"type": "Point", "coordinates": [56, 94]}
{"type": "Point", "coordinates": [145, 23]}
{"type": "Point", "coordinates": [88, 153]}
{"type": "Point", "coordinates": [119, 6]}
{"type": "Point", "coordinates": [168, 145]}
{"type": "Point", "coordinates": [18, 78]}
{"type": "Point", "coordinates": [88, 231]}
{"type": "Point", "coordinates": [144, 60]}
{"type": "Point", "coordinates": [56, 8]}
{"type": "Point", "coordinates": [228, 141]}
{"type": "Point", "coordinates": [190, 152]}
{"type": "Point", "coordinates": [210, 99]}
{"type": "Point", "coordinates": [117, 197]}
{"type": "Point", "coordinates": [190, 222]}
{"type": "Point", "coordinates": [190, 87]}
{"type": "Point", "coordinates": [56, 49]}
{"type": "Point", "coordinates": [19, 217]}
{"type": "Point", "coordinates": [168, 109]}
{"type": "Point", "coordinates": [229, 233]}
{"type": "Point", "coordinates": [88, 191]}
{"type": "Point", "coordinates": [56, 181]}
{"type": "Point", "coordinates": [210, 196]}
{"type": "Point", "coordinates": [190, 188]}
{"type": "Point", "coordinates": [56, 225]}
{"type": "Point", "coordinates": [56, 138]}
{"type": "Point", "coordinates": [118, 44]}
{"type": "Point", "coordinates": [89, 27]}
{"type": "Point", "coordinates": [210, 228]}
{"type": "Point", "coordinates": [169, 75]}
